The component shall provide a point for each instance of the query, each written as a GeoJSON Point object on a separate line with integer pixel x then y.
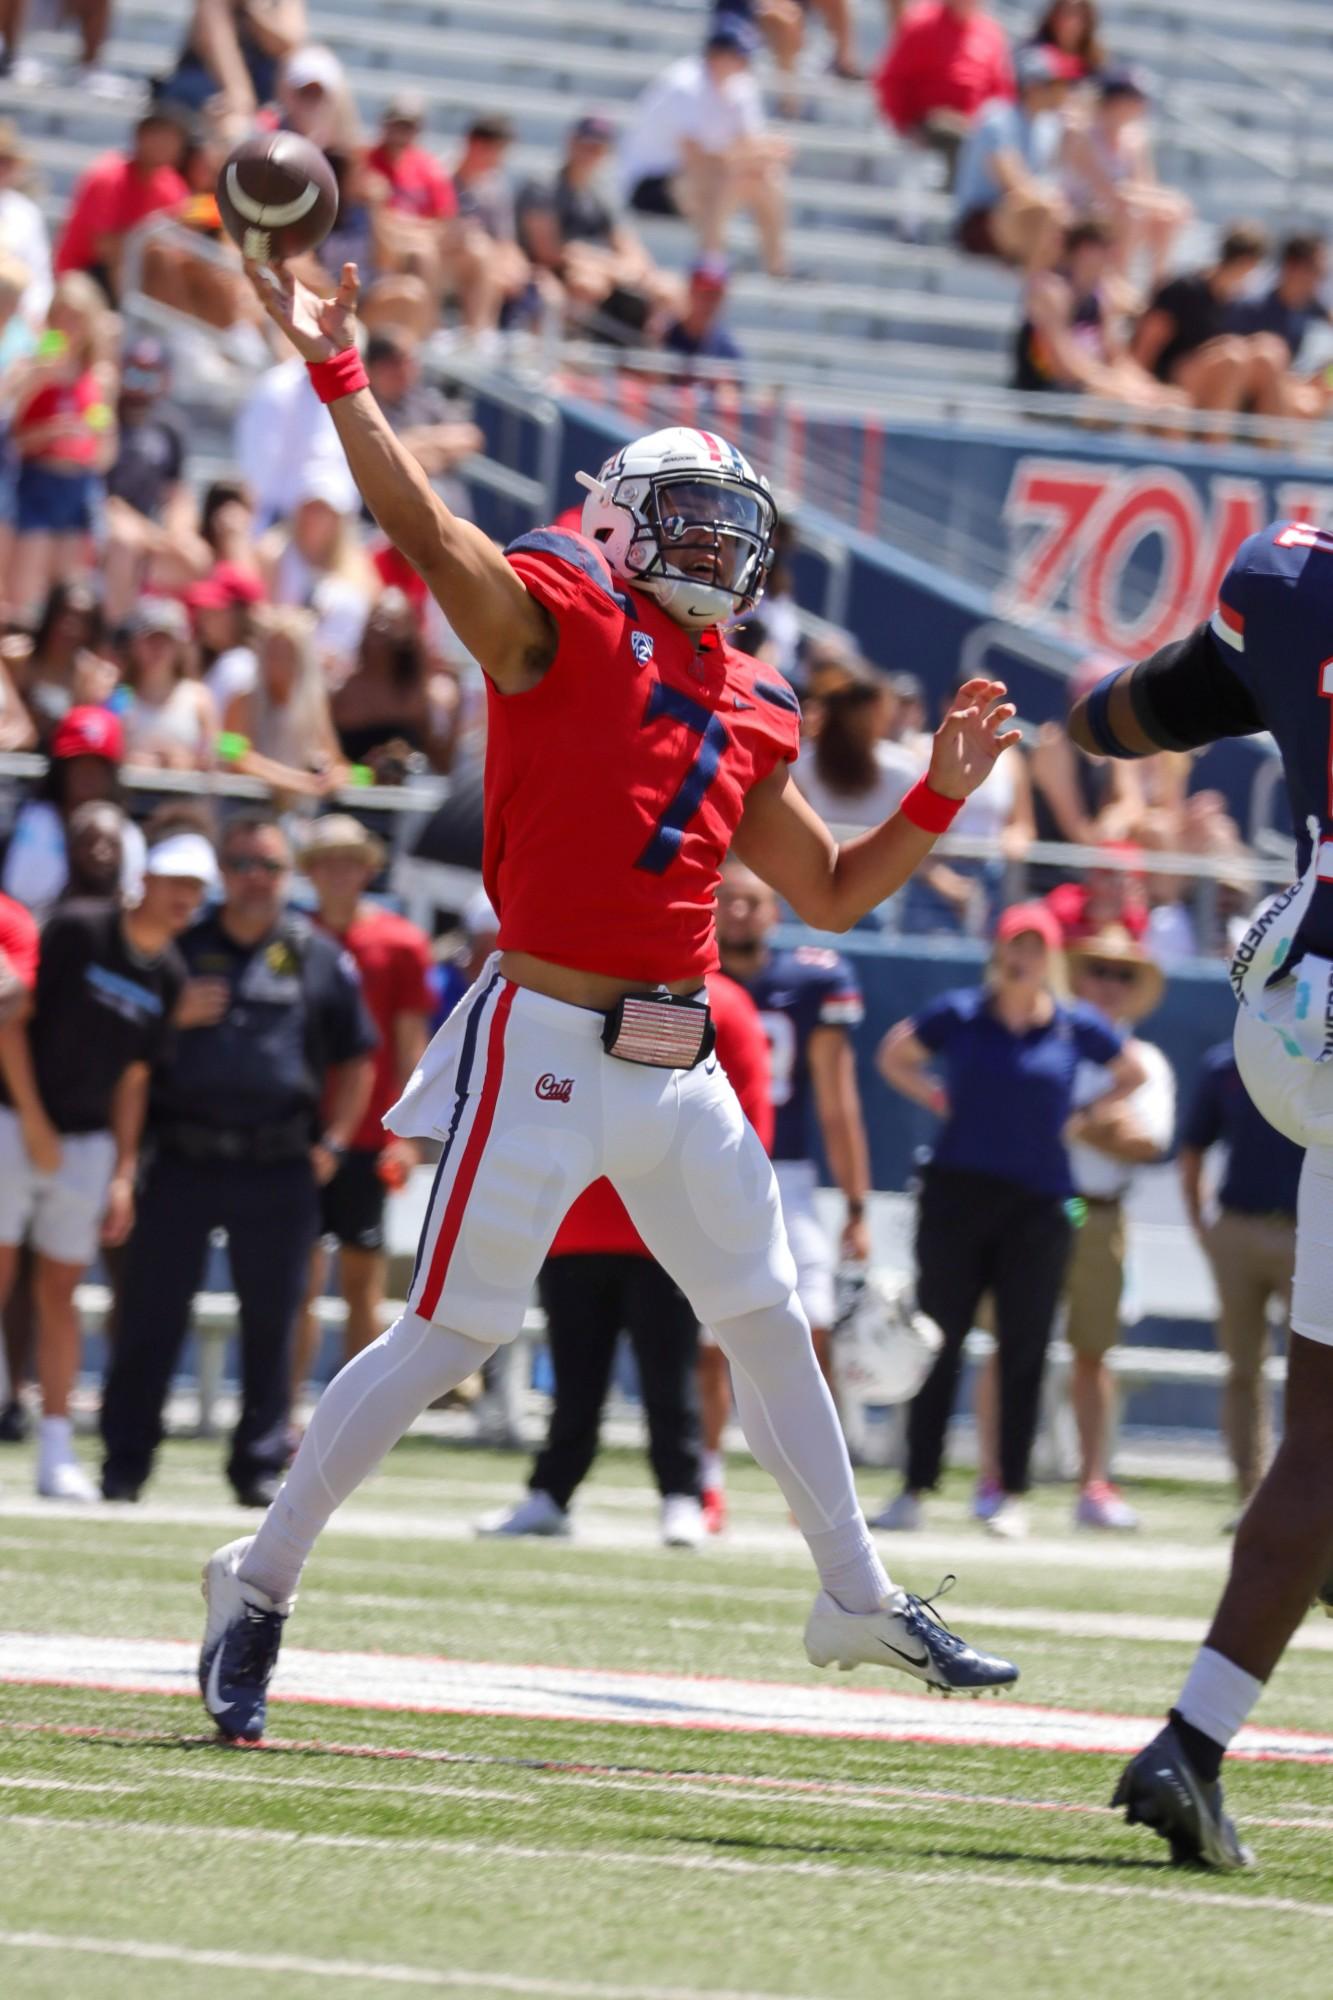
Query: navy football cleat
{"type": "Point", "coordinates": [1160, 1789]}
{"type": "Point", "coordinates": [907, 1635]}
{"type": "Point", "coordinates": [242, 1634]}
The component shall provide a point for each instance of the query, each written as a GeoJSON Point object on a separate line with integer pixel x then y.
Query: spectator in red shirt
{"type": "Point", "coordinates": [600, 1280]}
{"type": "Point", "coordinates": [947, 59]}
{"type": "Point", "coordinates": [120, 190]}
{"type": "Point", "coordinates": [418, 184]}
{"type": "Point", "coordinates": [393, 958]}
{"type": "Point", "coordinates": [1109, 896]}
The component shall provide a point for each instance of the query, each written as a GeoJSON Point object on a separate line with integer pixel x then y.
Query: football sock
{"type": "Point", "coordinates": [1214, 1704]}
{"type": "Point", "coordinates": [712, 1471]}
{"type": "Point", "coordinates": [792, 1428]}
{"type": "Point", "coordinates": [361, 1415]}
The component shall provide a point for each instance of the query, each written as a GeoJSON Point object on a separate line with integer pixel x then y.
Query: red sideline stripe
{"type": "Point", "coordinates": [1233, 620]}
{"type": "Point", "coordinates": [476, 1146]}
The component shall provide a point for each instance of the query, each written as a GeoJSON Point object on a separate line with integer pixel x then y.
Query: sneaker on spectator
{"type": "Point", "coordinates": [15, 1423]}
{"type": "Point", "coordinates": [901, 1517]}
{"type": "Point", "coordinates": [59, 1474]}
{"type": "Point", "coordinates": [1100, 1505]}
{"type": "Point", "coordinates": [715, 1509]}
{"type": "Point", "coordinates": [1009, 1522]}
{"type": "Point", "coordinates": [104, 83]}
{"type": "Point", "coordinates": [535, 1514]}
{"type": "Point", "coordinates": [986, 1499]}
{"type": "Point", "coordinates": [27, 70]}
{"type": "Point", "coordinates": [682, 1521]}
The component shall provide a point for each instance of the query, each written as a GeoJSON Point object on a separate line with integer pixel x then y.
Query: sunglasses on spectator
{"type": "Point", "coordinates": [251, 864]}
{"type": "Point", "coordinates": [1120, 975]}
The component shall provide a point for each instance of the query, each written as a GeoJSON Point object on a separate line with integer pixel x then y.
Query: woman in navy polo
{"type": "Point", "coordinates": [997, 1064]}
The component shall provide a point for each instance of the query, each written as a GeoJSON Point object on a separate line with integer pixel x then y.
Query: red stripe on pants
{"type": "Point", "coordinates": [471, 1160]}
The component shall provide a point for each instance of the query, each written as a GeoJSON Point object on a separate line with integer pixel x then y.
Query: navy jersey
{"type": "Point", "coordinates": [1270, 667]}
{"type": "Point", "coordinates": [797, 992]}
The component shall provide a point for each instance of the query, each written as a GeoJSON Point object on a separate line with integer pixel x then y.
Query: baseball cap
{"type": "Point", "coordinates": [340, 833]}
{"type": "Point", "coordinates": [405, 107]}
{"type": "Point", "coordinates": [313, 66]}
{"type": "Point", "coordinates": [1040, 63]}
{"type": "Point", "coordinates": [1020, 918]}
{"type": "Point", "coordinates": [733, 31]}
{"type": "Point", "coordinates": [87, 731]}
{"type": "Point", "coordinates": [227, 584]}
{"type": "Point", "coordinates": [596, 128]}
{"type": "Point", "coordinates": [184, 857]}
{"type": "Point", "coordinates": [159, 614]}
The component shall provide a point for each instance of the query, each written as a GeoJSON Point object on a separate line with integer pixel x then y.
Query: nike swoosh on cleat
{"type": "Point", "coordinates": [216, 1705]}
{"type": "Point", "coordinates": [913, 1661]}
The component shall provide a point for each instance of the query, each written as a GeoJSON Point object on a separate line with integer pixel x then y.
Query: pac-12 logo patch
{"type": "Point", "coordinates": [641, 645]}
{"type": "Point", "coordinates": [555, 1089]}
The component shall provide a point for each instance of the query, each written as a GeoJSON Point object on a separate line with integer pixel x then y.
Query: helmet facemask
{"type": "Point", "coordinates": [702, 543]}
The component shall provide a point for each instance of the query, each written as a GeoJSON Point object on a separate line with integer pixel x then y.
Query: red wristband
{"type": "Point", "coordinates": [341, 375]}
{"type": "Point", "coordinates": [929, 809]}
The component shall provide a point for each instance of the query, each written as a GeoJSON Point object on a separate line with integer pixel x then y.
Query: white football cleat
{"type": "Point", "coordinates": [535, 1514]}
{"type": "Point", "coordinates": [242, 1634]}
{"type": "Point", "coordinates": [907, 1635]}
{"type": "Point", "coordinates": [682, 1521]}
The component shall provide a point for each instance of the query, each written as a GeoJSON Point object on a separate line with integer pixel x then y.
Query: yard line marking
{"type": "Point", "coordinates": [462, 1847]}
{"type": "Point", "coordinates": [106, 1787]}
{"type": "Point", "coordinates": [725, 1787]}
{"type": "Point", "coordinates": [442, 1978]}
{"type": "Point", "coordinates": [636, 1698]}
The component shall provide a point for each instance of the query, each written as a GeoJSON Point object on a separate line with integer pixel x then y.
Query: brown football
{"type": "Point", "coordinates": [277, 196]}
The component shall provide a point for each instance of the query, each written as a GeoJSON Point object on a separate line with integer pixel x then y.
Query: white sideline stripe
{"type": "Point", "coordinates": [884, 1877]}
{"type": "Point", "coordinates": [640, 1700]}
{"type": "Point", "coordinates": [1130, 1556]}
{"type": "Point", "coordinates": [442, 1978]}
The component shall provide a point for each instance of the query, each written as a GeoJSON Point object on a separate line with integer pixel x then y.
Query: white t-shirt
{"type": "Point", "coordinates": [23, 235]}
{"type": "Point", "coordinates": [284, 434]}
{"type": "Point", "coordinates": [685, 102]}
{"type": "Point", "coordinates": [37, 868]}
{"type": "Point", "coordinates": [898, 772]}
{"type": "Point", "coordinates": [1153, 1105]}
{"type": "Point", "coordinates": [233, 672]}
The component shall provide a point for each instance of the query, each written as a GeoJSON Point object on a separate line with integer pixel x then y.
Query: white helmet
{"type": "Point", "coordinates": [883, 1348]}
{"type": "Point", "coordinates": [1284, 1024]}
{"type": "Point", "coordinates": [684, 495]}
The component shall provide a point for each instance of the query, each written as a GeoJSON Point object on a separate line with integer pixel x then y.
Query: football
{"type": "Point", "coordinates": [277, 196]}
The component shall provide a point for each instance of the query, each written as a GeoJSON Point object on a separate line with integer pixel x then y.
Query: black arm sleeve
{"type": "Point", "coordinates": [1185, 695]}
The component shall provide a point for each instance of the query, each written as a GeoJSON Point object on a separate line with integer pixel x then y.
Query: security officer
{"type": "Point", "coordinates": [272, 1025]}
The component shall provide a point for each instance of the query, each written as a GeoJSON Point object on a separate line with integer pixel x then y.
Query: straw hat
{"type": "Point", "coordinates": [1115, 946]}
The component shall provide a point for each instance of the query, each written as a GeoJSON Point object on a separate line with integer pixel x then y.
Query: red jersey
{"type": "Point", "coordinates": [614, 787]}
{"type": "Point", "coordinates": [75, 399]}
{"type": "Point", "coordinates": [19, 940]}
{"type": "Point", "coordinates": [940, 61]}
{"type": "Point", "coordinates": [597, 1224]}
{"type": "Point", "coordinates": [393, 959]}
{"type": "Point", "coordinates": [418, 184]}
{"type": "Point", "coordinates": [110, 199]}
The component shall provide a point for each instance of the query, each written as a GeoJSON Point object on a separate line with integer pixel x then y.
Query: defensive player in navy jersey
{"type": "Point", "coordinates": [807, 1000]}
{"type": "Point", "coordinates": [1263, 661]}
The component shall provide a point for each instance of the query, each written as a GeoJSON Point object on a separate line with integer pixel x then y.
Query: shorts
{"type": "Point", "coordinates": [1312, 1285]}
{"type": "Point", "coordinates": [351, 1205]}
{"type": "Point", "coordinates": [655, 195]}
{"type": "Point", "coordinates": [974, 234]}
{"type": "Point", "coordinates": [810, 1245]}
{"type": "Point", "coordinates": [56, 503]}
{"type": "Point", "coordinates": [531, 1110]}
{"type": "Point", "coordinates": [59, 1213]}
{"type": "Point", "coordinates": [1095, 1280]}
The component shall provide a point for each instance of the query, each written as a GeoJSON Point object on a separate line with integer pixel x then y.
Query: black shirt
{"type": "Point", "coordinates": [1199, 317]}
{"type": "Point", "coordinates": [1271, 315]}
{"type": "Point", "coordinates": [98, 1008]}
{"type": "Point", "coordinates": [296, 1008]}
{"type": "Point", "coordinates": [149, 463]}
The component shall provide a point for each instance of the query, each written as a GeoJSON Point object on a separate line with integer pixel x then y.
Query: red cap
{"type": "Point", "coordinates": [1022, 917]}
{"type": "Point", "coordinates": [89, 732]}
{"type": "Point", "coordinates": [224, 586]}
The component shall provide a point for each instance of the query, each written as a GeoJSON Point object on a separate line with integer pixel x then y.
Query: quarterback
{"type": "Point", "coordinates": [1261, 662]}
{"type": "Point", "coordinates": [629, 747]}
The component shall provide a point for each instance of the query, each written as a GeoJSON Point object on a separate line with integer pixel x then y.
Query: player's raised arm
{"type": "Point", "coordinates": [1179, 698]}
{"type": "Point", "coordinates": [501, 624]}
{"type": "Point", "coordinates": [831, 885]}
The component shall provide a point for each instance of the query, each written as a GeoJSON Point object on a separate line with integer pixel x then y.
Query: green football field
{"type": "Point", "coordinates": [684, 1848]}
